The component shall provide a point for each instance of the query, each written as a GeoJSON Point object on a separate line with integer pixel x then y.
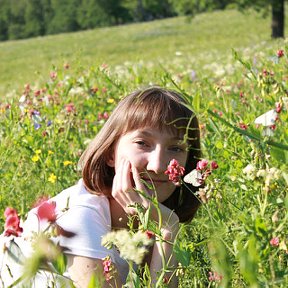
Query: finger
{"type": "Point", "coordinates": [137, 179]}
{"type": "Point", "coordinates": [127, 183]}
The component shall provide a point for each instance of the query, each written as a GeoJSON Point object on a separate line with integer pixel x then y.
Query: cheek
{"type": "Point", "coordinates": [137, 160]}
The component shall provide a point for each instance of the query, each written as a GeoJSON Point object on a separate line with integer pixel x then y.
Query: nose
{"type": "Point", "coordinates": [157, 161]}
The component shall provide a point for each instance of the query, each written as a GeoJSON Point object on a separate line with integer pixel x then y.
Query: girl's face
{"type": "Point", "coordinates": [150, 151]}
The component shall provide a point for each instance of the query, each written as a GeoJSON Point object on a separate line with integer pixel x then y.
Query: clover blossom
{"type": "Point", "coordinates": [215, 277]}
{"type": "Point", "coordinates": [132, 247]}
{"type": "Point", "coordinates": [174, 172]}
{"type": "Point", "coordinates": [108, 268]}
{"type": "Point", "coordinates": [274, 241]}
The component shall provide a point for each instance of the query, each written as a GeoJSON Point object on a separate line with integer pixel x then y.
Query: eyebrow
{"type": "Point", "coordinates": [150, 134]}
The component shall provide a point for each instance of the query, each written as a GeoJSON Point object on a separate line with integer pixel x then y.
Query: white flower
{"type": "Point", "coordinates": [132, 247]}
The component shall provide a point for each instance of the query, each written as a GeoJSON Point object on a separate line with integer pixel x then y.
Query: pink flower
{"type": "Point", "coordinates": [274, 241]}
{"type": "Point", "coordinates": [107, 268]}
{"type": "Point", "coordinates": [70, 108]}
{"type": "Point", "coordinates": [53, 75]}
{"type": "Point", "coordinates": [12, 223]}
{"type": "Point", "coordinates": [175, 171]}
{"type": "Point", "coordinates": [214, 277]}
{"type": "Point", "coordinates": [46, 211]}
{"type": "Point", "coordinates": [278, 107]}
{"type": "Point", "coordinates": [280, 53]}
{"type": "Point", "coordinates": [9, 211]}
{"type": "Point", "coordinates": [243, 126]}
{"type": "Point", "coordinates": [214, 165]}
{"type": "Point", "coordinates": [202, 164]}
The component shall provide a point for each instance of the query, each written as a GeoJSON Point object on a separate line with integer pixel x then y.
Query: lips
{"type": "Point", "coordinates": [154, 180]}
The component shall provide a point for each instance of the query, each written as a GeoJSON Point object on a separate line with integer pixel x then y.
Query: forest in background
{"type": "Point", "coordinates": [21, 19]}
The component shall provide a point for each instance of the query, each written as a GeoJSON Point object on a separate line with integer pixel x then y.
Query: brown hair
{"type": "Point", "coordinates": [151, 107]}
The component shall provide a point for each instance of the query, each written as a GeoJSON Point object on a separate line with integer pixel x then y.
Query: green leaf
{"type": "Point", "coordinates": [183, 255]}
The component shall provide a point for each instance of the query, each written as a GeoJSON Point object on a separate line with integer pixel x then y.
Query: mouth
{"type": "Point", "coordinates": [154, 180]}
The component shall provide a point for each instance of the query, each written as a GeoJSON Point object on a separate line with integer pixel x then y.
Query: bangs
{"type": "Point", "coordinates": [159, 111]}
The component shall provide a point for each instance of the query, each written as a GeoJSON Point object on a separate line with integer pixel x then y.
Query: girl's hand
{"type": "Point", "coordinates": [126, 184]}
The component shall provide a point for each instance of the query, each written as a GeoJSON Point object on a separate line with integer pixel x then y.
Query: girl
{"type": "Point", "coordinates": [145, 132]}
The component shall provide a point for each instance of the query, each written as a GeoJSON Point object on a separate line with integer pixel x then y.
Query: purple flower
{"type": "Point", "coordinates": [37, 126]}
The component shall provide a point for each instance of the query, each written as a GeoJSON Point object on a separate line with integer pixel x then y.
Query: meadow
{"type": "Point", "coordinates": [57, 91]}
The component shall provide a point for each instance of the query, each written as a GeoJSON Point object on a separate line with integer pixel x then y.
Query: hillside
{"type": "Point", "coordinates": [196, 40]}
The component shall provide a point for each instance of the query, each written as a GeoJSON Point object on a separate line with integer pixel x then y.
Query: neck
{"type": "Point", "coordinates": [119, 218]}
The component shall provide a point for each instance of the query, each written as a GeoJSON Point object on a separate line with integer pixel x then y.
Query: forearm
{"type": "Point", "coordinates": [163, 261]}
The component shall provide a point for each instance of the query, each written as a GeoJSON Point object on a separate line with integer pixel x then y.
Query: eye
{"type": "Point", "coordinates": [177, 149]}
{"type": "Point", "coordinates": [141, 143]}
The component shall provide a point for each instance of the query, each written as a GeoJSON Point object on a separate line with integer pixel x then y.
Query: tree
{"type": "Point", "coordinates": [33, 17]}
{"type": "Point", "coordinates": [4, 12]}
{"type": "Point", "coordinates": [278, 17]}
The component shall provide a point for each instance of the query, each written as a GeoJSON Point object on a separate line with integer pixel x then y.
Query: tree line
{"type": "Point", "coordinates": [30, 18]}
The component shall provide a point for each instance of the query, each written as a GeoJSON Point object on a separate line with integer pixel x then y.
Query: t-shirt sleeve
{"type": "Point", "coordinates": [88, 225]}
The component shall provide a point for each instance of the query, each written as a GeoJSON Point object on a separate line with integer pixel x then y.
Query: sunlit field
{"type": "Point", "coordinates": [57, 91]}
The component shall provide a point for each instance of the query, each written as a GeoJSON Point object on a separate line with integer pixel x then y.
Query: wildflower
{"type": "Point", "coordinates": [52, 178]}
{"type": "Point", "coordinates": [35, 158]}
{"type": "Point", "coordinates": [108, 268]}
{"type": "Point", "coordinates": [94, 90]}
{"type": "Point", "coordinates": [132, 247]}
{"type": "Point", "coordinates": [110, 101]}
{"type": "Point", "coordinates": [243, 126]}
{"type": "Point", "coordinates": [67, 162]}
{"type": "Point", "coordinates": [202, 164]}
{"type": "Point", "coordinates": [250, 171]}
{"type": "Point", "coordinates": [203, 195]}
{"type": "Point", "coordinates": [274, 241]}
{"type": "Point", "coordinates": [102, 116]}
{"type": "Point", "coordinates": [53, 75]}
{"type": "Point", "coordinates": [165, 280]}
{"type": "Point", "coordinates": [214, 165]}
{"type": "Point", "coordinates": [50, 152]}
{"type": "Point", "coordinates": [12, 223]}
{"type": "Point", "coordinates": [37, 126]}
{"type": "Point", "coordinates": [46, 211]}
{"type": "Point", "coordinates": [175, 171]}
{"type": "Point", "coordinates": [280, 53]}
{"type": "Point", "coordinates": [70, 108]}
{"type": "Point", "coordinates": [215, 277]}
{"type": "Point", "coordinates": [150, 234]}
{"type": "Point", "coordinates": [275, 217]}
{"type": "Point", "coordinates": [278, 107]}
{"type": "Point", "coordinates": [66, 66]}
{"type": "Point", "coordinates": [9, 211]}
{"type": "Point", "coordinates": [37, 93]}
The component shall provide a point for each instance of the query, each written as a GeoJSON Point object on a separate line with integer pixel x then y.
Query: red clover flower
{"type": "Point", "coordinates": [174, 172]}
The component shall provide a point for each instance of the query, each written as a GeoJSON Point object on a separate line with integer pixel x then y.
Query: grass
{"type": "Point", "coordinates": [27, 60]}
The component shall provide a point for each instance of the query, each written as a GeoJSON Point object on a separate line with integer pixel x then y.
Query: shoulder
{"type": "Point", "coordinates": [75, 206]}
{"type": "Point", "coordinates": [77, 195]}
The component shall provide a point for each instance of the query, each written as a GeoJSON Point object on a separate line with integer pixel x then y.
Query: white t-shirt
{"type": "Point", "coordinates": [88, 217]}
